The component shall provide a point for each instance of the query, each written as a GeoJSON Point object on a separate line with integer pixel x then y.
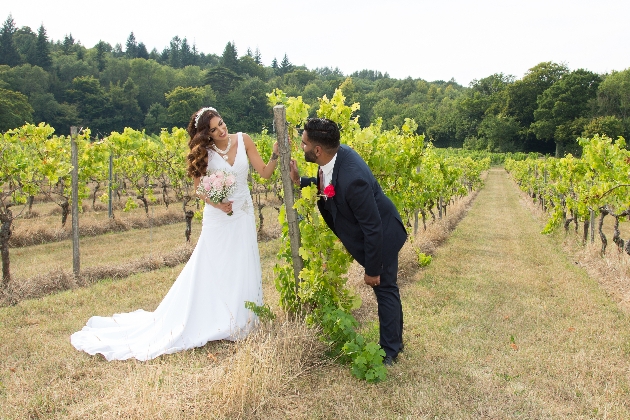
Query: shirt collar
{"type": "Point", "coordinates": [328, 169]}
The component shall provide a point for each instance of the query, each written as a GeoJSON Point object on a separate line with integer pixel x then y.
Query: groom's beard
{"type": "Point", "coordinates": [310, 156]}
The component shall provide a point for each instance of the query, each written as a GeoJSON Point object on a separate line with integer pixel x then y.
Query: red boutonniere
{"type": "Point", "coordinates": [329, 191]}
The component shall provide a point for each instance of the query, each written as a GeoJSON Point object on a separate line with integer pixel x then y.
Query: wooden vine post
{"type": "Point", "coordinates": [282, 136]}
{"type": "Point", "coordinates": [75, 204]}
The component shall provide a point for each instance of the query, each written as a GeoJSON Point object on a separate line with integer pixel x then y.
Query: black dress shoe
{"type": "Point", "coordinates": [389, 361]}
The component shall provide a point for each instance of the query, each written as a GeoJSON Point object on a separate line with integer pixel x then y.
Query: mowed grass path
{"type": "Point", "coordinates": [504, 325]}
{"type": "Point", "coordinates": [501, 325]}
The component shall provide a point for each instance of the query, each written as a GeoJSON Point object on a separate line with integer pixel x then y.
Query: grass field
{"type": "Point", "coordinates": [505, 323]}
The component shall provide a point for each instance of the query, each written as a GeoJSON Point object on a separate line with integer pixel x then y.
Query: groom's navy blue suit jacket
{"type": "Point", "coordinates": [360, 214]}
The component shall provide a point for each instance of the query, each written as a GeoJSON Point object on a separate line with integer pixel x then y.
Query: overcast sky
{"type": "Point", "coordinates": [431, 40]}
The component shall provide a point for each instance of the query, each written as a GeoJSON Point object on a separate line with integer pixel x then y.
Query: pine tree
{"type": "Point", "coordinates": [257, 57]}
{"type": "Point", "coordinates": [68, 44]}
{"type": "Point", "coordinates": [8, 53]}
{"type": "Point", "coordinates": [142, 51]}
{"type": "Point", "coordinates": [101, 49]}
{"type": "Point", "coordinates": [230, 57]}
{"type": "Point", "coordinates": [174, 56]}
{"type": "Point", "coordinates": [132, 46]}
{"type": "Point", "coordinates": [117, 51]}
{"type": "Point", "coordinates": [186, 54]}
{"type": "Point", "coordinates": [285, 65]}
{"type": "Point", "coordinates": [42, 50]}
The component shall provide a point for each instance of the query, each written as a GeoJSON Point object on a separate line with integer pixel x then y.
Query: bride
{"type": "Point", "coordinates": [207, 301]}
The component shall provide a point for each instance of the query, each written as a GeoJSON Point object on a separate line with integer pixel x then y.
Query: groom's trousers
{"type": "Point", "coordinates": [390, 314]}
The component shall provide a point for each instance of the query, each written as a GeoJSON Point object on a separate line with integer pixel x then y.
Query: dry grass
{"type": "Point", "coordinates": [42, 376]}
{"type": "Point", "coordinates": [47, 268]}
{"type": "Point", "coordinates": [612, 270]}
{"type": "Point", "coordinates": [501, 325]}
{"type": "Point", "coordinates": [39, 231]}
{"type": "Point", "coordinates": [59, 279]}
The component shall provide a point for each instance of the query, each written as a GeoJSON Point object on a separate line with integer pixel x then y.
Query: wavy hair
{"type": "Point", "coordinates": [199, 142]}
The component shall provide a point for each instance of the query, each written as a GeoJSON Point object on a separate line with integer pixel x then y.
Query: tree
{"type": "Point", "coordinates": [42, 51]}
{"type": "Point", "coordinates": [499, 133]}
{"type": "Point", "coordinates": [153, 81]}
{"type": "Point", "coordinates": [229, 59]}
{"type": "Point", "coordinates": [132, 46]}
{"type": "Point", "coordinates": [34, 83]}
{"type": "Point", "coordinates": [142, 51]}
{"type": "Point", "coordinates": [609, 125]}
{"type": "Point", "coordinates": [92, 103]}
{"type": "Point", "coordinates": [25, 41]}
{"type": "Point", "coordinates": [523, 93]}
{"type": "Point", "coordinates": [60, 116]}
{"type": "Point", "coordinates": [124, 103]}
{"type": "Point", "coordinates": [187, 55]}
{"type": "Point", "coordinates": [157, 119]}
{"type": "Point", "coordinates": [247, 106]}
{"type": "Point", "coordinates": [184, 101]}
{"type": "Point", "coordinates": [565, 108]}
{"type": "Point", "coordinates": [285, 65]}
{"type": "Point", "coordinates": [487, 96]}
{"type": "Point", "coordinates": [117, 71]}
{"type": "Point", "coordinates": [68, 44]}
{"type": "Point", "coordinates": [8, 53]}
{"type": "Point", "coordinates": [117, 51]}
{"type": "Point", "coordinates": [102, 48]}
{"type": "Point", "coordinates": [257, 56]}
{"type": "Point", "coordinates": [66, 69]}
{"type": "Point", "coordinates": [174, 57]}
{"type": "Point", "coordinates": [15, 110]}
{"type": "Point", "coordinates": [222, 80]}
{"type": "Point", "coordinates": [191, 76]}
{"type": "Point", "coordinates": [390, 112]}
{"type": "Point", "coordinates": [249, 67]}
{"type": "Point", "coordinates": [522, 96]}
{"type": "Point", "coordinates": [613, 95]}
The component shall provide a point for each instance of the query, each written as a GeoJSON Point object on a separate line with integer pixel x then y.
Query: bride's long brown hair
{"type": "Point", "coordinates": [199, 142]}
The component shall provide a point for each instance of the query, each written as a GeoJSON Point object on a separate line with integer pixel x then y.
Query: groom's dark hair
{"type": "Point", "coordinates": [323, 132]}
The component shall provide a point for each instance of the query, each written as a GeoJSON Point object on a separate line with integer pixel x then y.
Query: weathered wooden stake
{"type": "Point", "coordinates": [76, 264]}
{"type": "Point", "coordinates": [282, 136]}
{"type": "Point", "coordinates": [110, 211]}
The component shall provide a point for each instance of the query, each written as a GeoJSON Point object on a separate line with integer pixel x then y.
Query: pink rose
{"type": "Point", "coordinates": [229, 181]}
{"type": "Point", "coordinates": [206, 182]}
{"type": "Point", "coordinates": [212, 177]}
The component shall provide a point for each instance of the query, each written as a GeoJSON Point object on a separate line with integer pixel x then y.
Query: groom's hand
{"type": "Point", "coordinates": [295, 174]}
{"type": "Point", "coordinates": [372, 280]}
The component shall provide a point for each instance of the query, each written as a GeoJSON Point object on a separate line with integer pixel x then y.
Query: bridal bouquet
{"type": "Point", "coordinates": [217, 186]}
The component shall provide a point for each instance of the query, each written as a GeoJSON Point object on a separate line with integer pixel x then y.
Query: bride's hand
{"type": "Point", "coordinates": [225, 207]}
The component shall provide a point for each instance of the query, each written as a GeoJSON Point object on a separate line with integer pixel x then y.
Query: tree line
{"type": "Point", "coordinates": [108, 88]}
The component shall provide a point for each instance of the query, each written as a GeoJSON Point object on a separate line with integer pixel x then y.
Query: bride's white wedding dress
{"type": "Point", "coordinates": [207, 301]}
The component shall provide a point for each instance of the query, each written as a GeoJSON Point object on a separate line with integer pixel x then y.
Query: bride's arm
{"type": "Point", "coordinates": [258, 164]}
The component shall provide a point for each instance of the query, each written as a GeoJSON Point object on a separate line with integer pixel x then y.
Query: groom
{"type": "Point", "coordinates": [362, 217]}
